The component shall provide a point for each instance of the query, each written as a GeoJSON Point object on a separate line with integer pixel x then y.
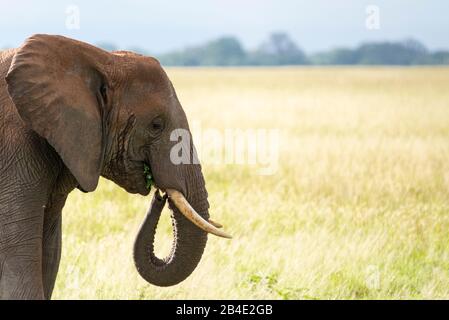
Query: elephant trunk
{"type": "Point", "coordinates": [188, 245]}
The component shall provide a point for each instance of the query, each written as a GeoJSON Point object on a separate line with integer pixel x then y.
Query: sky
{"type": "Point", "coordinates": [159, 26]}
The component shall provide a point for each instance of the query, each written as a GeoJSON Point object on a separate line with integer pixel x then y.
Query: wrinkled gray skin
{"type": "Point", "coordinates": [70, 113]}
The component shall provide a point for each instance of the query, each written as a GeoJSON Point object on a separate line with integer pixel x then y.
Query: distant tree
{"type": "Point", "coordinates": [226, 51]}
{"type": "Point", "coordinates": [188, 57]}
{"type": "Point", "coordinates": [440, 57]}
{"type": "Point", "coordinates": [392, 53]}
{"type": "Point", "coordinates": [339, 56]}
{"type": "Point", "coordinates": [279, 49]}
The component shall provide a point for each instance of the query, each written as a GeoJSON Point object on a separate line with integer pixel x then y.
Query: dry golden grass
{"type": "Point", "coordinates": [359, 207]}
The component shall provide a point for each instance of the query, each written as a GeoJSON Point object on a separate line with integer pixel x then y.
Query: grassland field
{"type": "Point", "coordinates": [358, 208]}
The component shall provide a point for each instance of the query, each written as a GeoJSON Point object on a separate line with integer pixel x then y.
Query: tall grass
{"type": "Point", "coordinates": [358, 209]}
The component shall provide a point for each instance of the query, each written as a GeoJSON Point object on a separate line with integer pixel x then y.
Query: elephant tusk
{"type": "Point", "coordinates": [186, 209]}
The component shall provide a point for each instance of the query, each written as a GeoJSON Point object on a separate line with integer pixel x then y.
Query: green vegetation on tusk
{"type": "Point", "coordinates": [148, 176]}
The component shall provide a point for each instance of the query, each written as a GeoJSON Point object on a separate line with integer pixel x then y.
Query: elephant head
{"type": "Point", "coordinates": [110, 114]}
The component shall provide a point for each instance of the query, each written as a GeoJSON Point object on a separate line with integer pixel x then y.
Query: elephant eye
{"type": "Point", "coordinates": [157, 124]}
{"type": "Point", "coordinates": [104, 93]}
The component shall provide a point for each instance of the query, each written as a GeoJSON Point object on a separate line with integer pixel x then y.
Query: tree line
{"type": "Point", "coordinates": [280, 49]}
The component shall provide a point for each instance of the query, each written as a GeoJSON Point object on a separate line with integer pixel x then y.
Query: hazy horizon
{"type": "Point", "coordinates": [160, 27]}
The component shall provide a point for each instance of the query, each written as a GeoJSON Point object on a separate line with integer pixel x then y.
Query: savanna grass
{"type": "Point", "coordinates": [358, 208]}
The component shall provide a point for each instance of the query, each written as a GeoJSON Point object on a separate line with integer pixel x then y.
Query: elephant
{"type": "Point", "coordinates": [70, 113]}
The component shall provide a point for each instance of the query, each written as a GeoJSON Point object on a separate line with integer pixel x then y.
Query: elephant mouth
{"type": "Point", "coordinates": [141, 178]}
{"type": "Point", "coordinates": [138, 180]}
{"type": "Point", "coordinates": [149, 181]}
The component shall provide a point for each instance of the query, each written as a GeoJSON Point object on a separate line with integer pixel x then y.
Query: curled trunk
{"type": "Point", "coordinates": [187, 249]}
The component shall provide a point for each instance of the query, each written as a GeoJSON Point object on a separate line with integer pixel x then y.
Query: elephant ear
{"type": "Point", "coordinates": [55, 84]}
